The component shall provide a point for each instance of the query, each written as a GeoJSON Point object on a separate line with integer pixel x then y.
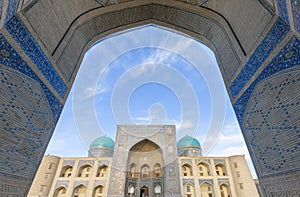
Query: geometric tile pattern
{"type": "Point", "coordinates": [219, 161]}
{"type": "Point", "coordinates": [224, 181]}
{"type": "Point", "coordinates": [11, 9]}
{"type": "Point", "coordinates": [283, 11]}
{"type": "Point", "coordinates": [62, 183]}
{"type": "Point", "coordinates": [10, 58]}
{"type": "Point", "coordinates": [25, 127]}
{"type": "Point", "coordinates": [188, 181]}
{"type": "Point", "coordinates": [210, 181]}
{"type": "Point", "coordinates": [269, 119]}
{"type": "Point", "coordinates": [296, 14]}
{"type": "Point", "coordinates": [275, 35]}
{"type": "Point", "coordinates": [86, 162]}
{"type": "Point", "coordinates": [288, 57]}
{"type": "Point", "coordinates": [69, 163]}
{"type": "Point", "coordinates": [77, 183]}
{"type": "Point", "coordinates": [271, 123]}
{"type": "Point", "coordinates": [21, 34]}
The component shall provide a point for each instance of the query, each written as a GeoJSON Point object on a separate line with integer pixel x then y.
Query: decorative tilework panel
{"type": "Point", "coordinates": [8, 186]}
{"type": "Point", "coordinates": [11, 9]}
{"type": "Point", "coordinates": [10, 58]}
{"type": "Point", "coordinates": [219, 161]}
{"type": "Point", "coordinates": [21, 34]}
{"type": "Point", "coordinates": [25, 126]}
{"type": "Point", "coordinates": [188, 181]}
{"type": "Point", "coordinates": [210, 181]}
{"type": "Point", "coordinates": [186, 161]}
{"type": "Point", "coordinates": [62, 183]}
{"type": "Point", "coordinates": [296, 14]}
{"type": "Point", "coordinates": [283, 11]}
{"type": "Point", "coordinates": [288, 57]}
{"type": "Point", "coordinates": [103, 162]}
{"type": "Point", "coordinates": [0, 8]}
{"type": "Point", "coordinates": [69, 162]}
{"type": "Point", "coordinates": [77, 183]}
{"type": "Point", "coordinates": [207, 161]}
{"type": "Point", "coordinates": [275, 36]}
{"type": "Point", "coordinates": [271, 122]}
{"type": "Point", "coordinates": [224, 181]}
{"type": "Point", "coordinates": [84, 162]}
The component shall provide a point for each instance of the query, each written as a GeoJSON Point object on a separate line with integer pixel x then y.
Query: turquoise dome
{"type": "Point", "coordinates": [188, 141]}
{"type": "Point", "coordinates": [104, 142]}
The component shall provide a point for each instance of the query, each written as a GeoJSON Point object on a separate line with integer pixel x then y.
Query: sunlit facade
{"type": "Point", "coordinates": [148, 170]}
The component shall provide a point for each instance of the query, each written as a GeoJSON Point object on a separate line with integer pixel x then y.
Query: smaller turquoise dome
{"type": "Point", "coordinates": [104, 142]}
{"type": "Point", "coordinates": [188, 141]}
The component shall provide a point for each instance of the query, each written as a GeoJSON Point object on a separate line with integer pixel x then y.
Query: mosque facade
{"type": "Point", "coordinates": [144, 161]}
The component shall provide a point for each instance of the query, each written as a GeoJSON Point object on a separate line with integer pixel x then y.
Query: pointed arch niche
{"type": "Point", "coordinates": [144, 163]}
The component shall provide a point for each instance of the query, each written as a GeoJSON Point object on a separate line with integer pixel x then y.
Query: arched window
{"type": "Point", "coordinates": [132, 172]}
{"type": "Point", "coordinates": [206, 190]}
{"type": "Point", "coordinates": [157, 170]}
{"type": "Point", "coordinates": [60, 192]}
{"type": "Point", "coordinates": [189, 191]}
{"type": "Point", "coordinates": [131, 191]}
{"type": "Point", "coordinates": [157, 189]}
{"type": "Point", "coordinates": [85, 171]}
{"type": "Point", "coordinates": [187, 170]}
{"type": "Point", "coordinates": [66, 171]}
{"type": "Point", "coordinates": [145, 170]}
{"type": "Point", "coordinates": [79, 191]}
{"type": "Point", "coordinates": [224, 190]}
{"type": "Point", "coordinates": [99, 191]}
{"type": "Point", "coordinates": [102, 171]}
{"type": "Point", "coordinates": [221, 170]}
{"type": "Point", "coordinates": [203, 169]}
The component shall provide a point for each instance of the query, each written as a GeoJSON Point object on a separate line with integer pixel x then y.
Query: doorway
{"type": "Point", "coordinates": [144, 192]}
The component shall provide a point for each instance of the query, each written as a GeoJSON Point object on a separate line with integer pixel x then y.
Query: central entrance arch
{"type": "Point", "coordinates": [144, 169]}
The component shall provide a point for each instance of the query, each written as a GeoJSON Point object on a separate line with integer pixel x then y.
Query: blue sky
{"type": "Point", "coordinates": [148, 75]}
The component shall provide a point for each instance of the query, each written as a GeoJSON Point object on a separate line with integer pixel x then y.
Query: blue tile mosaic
{"type": "Point", "coordinates": [275, 36]}
{"type": "Point", "coordinates": [25, 126]}
{"type": "Point", "coordinates": [19, 32]}
{"type": "Point", "coordinates": [283, 11]}
{"type": "Point", "coordinates": [276, 124]}
{"type": "Point", "coordinates": [288, 57]}
{"type": "Point", "coordinates": [296, 14]}
{"type": "Point", "coordinates": [11, 9]}
{"type": "Point", "coordinates": [9, 57]}
{"type": "Point", "coordinates": [0, 8]}
{"type": "Point", "coordinates": [273, 132]}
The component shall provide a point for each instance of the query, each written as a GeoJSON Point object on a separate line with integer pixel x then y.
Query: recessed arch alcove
{"type": "Point", "coordinates": [145, 159]}
{"type": "Point", "coordinates": [42, 48]}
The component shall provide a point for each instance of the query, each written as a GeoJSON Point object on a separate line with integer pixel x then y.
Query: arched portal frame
{"type": "Point", "coordinates": [85, 171]}
{"type": "Point", "coordinates": [143, 157]}
{"type": "Point", "coordinates": [66, 171]}
{"type": "Point", "coordinates": [207, 190]}
{"type": "Point", "coordinates": [60, 192]}
{"type": "Point", "coordinates": [204, 169]}
{"type": "Point", "coordinates": [238, 89]}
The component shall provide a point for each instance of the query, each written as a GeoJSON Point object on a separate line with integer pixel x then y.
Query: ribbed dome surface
{"type": "Point", "coordinates": [103, 141]}
{"type": "Point", "coordinates": [188, 141]}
